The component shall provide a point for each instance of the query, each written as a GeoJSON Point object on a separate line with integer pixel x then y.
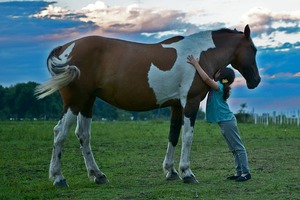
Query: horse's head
{"type": "Point", "coordinates": [244, 60]}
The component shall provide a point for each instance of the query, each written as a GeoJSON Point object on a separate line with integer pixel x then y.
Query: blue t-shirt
{"type": "Point", "coordinates": [217, 109]}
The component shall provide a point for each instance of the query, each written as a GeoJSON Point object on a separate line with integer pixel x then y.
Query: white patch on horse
{"type": "Point", "coordinates": [168, 163]}
{"type": "Point", "coordinates": [83, 133]}
{"type": "Point", "coordinates": [187, 139]}
{"type": "Point", "coordinates": [61, 131]}
{"type": "Point", "coordinates": [61, 60]}
{"type": "Point", "coordinates": [64, 57]}
{"type": "Point", "coordinates": [175, 83]}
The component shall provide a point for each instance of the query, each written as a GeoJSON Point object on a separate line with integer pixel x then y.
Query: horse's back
{"type": "Point", "coordinates": [117, 70]}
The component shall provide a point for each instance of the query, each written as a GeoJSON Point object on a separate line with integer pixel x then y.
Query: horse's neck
{"type": "Point", "coordinates": [216, 53]}
{"type": "Point", "coordinates": [202, 42]}
{"type": "Point", "coordinates": [213, 60]}
{"type": "Point", "coordinates": [217, 58]}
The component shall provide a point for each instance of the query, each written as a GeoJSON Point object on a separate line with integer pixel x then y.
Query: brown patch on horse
{"type": "Point", "coordinates": [103, 62]}
{"type": "Point", "coordinates": [172, 40]}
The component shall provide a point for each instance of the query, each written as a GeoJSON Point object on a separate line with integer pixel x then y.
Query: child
{"type": "Point", "coordinates": [217, 111]}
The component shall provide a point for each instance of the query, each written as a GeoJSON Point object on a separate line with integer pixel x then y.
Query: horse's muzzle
{"type": "Point", "coordinates": [254, 83]}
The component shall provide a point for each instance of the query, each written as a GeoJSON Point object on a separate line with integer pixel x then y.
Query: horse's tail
{"type": "Point", "coordinates": [62, 74]}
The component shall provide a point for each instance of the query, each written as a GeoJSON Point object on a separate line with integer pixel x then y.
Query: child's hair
{"type": "Point", "coordinates": [226, 77]}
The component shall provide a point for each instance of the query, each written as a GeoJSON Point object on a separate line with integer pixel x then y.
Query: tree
{"type": "Point", "coordinates": [19, 102]}
{"type": "Point", "coordinates": [242, 116]}
{"type": "Point", "coordinates": [243, 108]}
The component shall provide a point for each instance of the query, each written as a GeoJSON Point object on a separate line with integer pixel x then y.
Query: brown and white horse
{"type": "Point", "coordinates": [140, 77]}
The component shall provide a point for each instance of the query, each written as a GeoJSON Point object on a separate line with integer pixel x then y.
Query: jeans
{"type": "Point", "coordinates": [231, 134]}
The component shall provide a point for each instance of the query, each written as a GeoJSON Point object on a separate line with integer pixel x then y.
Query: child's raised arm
{"type": "Point", "coordinates": [210, 82]}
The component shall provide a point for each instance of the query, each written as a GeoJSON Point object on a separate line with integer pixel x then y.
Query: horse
{"type": "Point", "coordinates": [140, 77]}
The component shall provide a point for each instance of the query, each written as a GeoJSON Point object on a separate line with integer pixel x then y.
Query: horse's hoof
{"type": "Point", "coordinates": [101, 180]}
{"type": "Point", "coordinates": [61, 183]}
{"type": "Point", "coordinates": [172, 176]}
{"type": "Point", "coordinates": [190, 179]}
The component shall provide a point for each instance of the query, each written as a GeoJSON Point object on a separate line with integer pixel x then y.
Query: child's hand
{"type": "Point", "coordinates": [192, 60]}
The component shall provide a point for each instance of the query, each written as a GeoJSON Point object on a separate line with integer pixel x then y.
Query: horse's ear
{"type": "Point", "coordinates": [247, 31]}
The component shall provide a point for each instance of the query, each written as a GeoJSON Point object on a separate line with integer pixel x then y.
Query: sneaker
{"type": "Point", "coordinates": [244, 178]}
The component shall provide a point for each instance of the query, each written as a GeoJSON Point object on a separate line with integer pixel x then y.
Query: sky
{"type": "Point", "coordinates": [29, 30]}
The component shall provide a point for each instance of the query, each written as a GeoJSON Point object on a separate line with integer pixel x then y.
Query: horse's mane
{"type": "Point", "coordinates": [227, 30]}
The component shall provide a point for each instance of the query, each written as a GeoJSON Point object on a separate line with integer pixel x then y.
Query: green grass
{"type": "Point", "coordinates": [131, 155]}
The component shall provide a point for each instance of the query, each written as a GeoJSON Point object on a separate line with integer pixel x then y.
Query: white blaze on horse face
{"type": "Point", "coordinates": [175, 83]}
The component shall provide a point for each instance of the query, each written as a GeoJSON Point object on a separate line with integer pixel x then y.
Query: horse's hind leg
{"type": "Point", "coordinates": [175, 127]}
{"type": "Point", "coordinates": [83, 132]}
{"type": "Point", "coordinates": [61, 131]}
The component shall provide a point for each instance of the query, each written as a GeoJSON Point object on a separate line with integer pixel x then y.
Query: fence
{"type": "Point", "coordinates": [280, 118]}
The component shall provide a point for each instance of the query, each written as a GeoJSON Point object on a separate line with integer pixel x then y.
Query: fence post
{"type": "Point", "coordinates": [274, 117]}
{"type": "Point", "coordinates": [255, 118]}
{"type": "Point", "coordinates": [298, 118]}
{"type": "Point", "coordinates": [287, 117]}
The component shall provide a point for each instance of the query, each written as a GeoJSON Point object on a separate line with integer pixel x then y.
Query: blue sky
{"type": "Point", "coordinates": [29, 30]}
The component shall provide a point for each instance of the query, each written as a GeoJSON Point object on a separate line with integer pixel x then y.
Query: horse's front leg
{"type": "Point", "coordinates": [175, 127]}
{"type": "Point", "coordinates": [187, 139]}
{"type": "Point", "coordinates": [61, 131]}
{"type": "Point", "coordinates": [83, 133]}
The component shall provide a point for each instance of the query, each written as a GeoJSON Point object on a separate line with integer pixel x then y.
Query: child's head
{"type": "Point", "coordinates": [225, 76]}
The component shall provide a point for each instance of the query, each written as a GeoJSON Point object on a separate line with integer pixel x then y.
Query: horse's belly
{"type": "Point", "coordinates": [133, 97]}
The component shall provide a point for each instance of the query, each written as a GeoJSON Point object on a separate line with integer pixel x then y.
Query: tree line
{"type": "Point", "coordinates": [18, 102]}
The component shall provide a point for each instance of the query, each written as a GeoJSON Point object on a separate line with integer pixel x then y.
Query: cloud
{"type": "Point", "coordinates": [266, 104]}
{"type": "Point", "coordinates": [270, 30]}
{"type": "Point", "coordinates": [26, 41]}
{"type": "Point", "coordinates": [27, 28]}
{"type": "Point", "coordinates": [273, 29]}
{"type": "Point", "coordinates": [52, 12]}
{"type": "Point", "coordinates": [272, 62]}
{"type": "Point", "coordinates": [122, 19]}
{"type": "Point", "coordinates": [263, 20]}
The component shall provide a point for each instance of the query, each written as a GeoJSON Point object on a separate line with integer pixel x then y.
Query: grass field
{"type": "Point", "coordinates": [131, 155]}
